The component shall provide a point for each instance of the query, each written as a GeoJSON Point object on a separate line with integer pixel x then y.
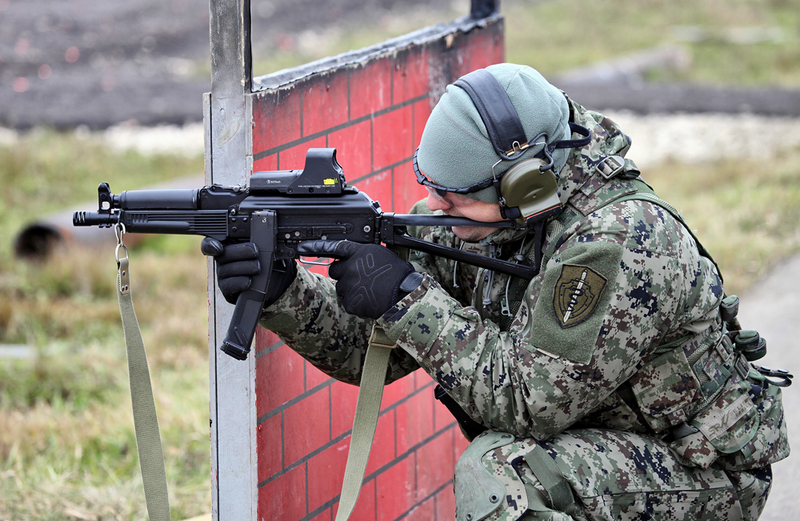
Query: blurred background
{"type": "Point", "coordinates": [709, 90]}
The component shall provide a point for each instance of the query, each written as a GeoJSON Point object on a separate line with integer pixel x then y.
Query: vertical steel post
{"type": "Point", "coordinates": [483, 8]}
{"type": "Point", "coordinates": [228, 162]}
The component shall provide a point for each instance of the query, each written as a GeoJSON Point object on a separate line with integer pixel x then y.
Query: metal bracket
{"type": "Point", "coordinates": [611, 166]}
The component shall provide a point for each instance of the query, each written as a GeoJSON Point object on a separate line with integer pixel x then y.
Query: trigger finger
{"type": "Point", "coordinates": [211, 247]}
{"type": "Point", "coordinates": [319, 248]}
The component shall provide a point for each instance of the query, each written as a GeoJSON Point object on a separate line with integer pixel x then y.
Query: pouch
{"type": "Point", "coordinates": [737, 432]}
{"type": "Point", "coordinates": [664, 388]}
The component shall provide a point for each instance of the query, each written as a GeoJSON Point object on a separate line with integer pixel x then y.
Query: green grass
{"type": "Point", "coordinates": [67, 447]}
{"type": "Point", "coordinates": [556, 35]}
{"type": "Point", "coordinates": [66, 433]}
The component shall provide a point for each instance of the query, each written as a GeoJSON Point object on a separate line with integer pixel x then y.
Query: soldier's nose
{"type": "Point", "coordinates": [434, 203]}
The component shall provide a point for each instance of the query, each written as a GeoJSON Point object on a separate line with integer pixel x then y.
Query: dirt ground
{"type": "Point", "coordinates": [65, 63]}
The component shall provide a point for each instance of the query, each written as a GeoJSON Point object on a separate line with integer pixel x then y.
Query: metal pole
{"type": "Point", "coordinates": [228, 162]}
{"type": "Point", "coordinates": [483, 8]}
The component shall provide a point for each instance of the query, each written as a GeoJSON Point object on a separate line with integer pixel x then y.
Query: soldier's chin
{"type": "Point", "coordinates": [472, 233]}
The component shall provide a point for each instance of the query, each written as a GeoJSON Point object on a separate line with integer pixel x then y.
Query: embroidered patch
{"type": "Point", "coordinates": [577, 294]}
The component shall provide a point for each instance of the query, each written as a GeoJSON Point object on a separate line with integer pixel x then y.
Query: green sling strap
{"type": "Point", "coordinates": [373, 376]}
{"type": "Point", "coordinates": [148, 438]}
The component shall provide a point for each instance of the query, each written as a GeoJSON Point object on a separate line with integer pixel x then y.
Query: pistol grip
{"type": "Point", "coordinates": [263, 227]}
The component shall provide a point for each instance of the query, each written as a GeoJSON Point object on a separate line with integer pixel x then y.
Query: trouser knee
{"type": "Point", "coordinates": [500, 477]}
{"type": "Point", "coordinates": [597, 474]}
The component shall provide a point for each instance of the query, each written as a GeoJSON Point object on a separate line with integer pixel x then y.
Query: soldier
{"type": "Point", "coordinates": [613, 384]}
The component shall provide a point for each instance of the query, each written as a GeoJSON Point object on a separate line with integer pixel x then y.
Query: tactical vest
{"type": "Point", "coordinates": [699, 392]}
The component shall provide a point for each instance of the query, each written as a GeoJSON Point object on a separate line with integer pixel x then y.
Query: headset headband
{"type": "Point", "coordinates": [496, 110]}
{"type": "Point", "coordinates": [502, 121]}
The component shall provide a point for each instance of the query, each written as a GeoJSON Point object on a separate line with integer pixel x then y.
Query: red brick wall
{"type": "Point", "coordinates": [373, 113]}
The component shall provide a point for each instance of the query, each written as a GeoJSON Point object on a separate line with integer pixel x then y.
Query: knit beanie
{"type": "Point", "coordinates": [455, 150]}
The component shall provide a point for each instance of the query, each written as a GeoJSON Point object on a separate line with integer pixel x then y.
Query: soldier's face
{"type": "Point", "coordinates": [459, 206]}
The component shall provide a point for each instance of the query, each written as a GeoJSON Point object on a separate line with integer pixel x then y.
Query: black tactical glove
{"type": "Point", "coordinates": [370, 278]}
{"type": "Point", "coordinates": [237, 263]}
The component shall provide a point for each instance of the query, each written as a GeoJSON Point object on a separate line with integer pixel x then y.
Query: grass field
{"type": "Point", "coordinates": [745, 42]}
{"type": "Point", "coordinates": [556, 35]}
{"type": "Point", "coordinates": [67, 449]}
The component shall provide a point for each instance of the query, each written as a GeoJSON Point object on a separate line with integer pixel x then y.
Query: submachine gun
{"type": "Point", "coordinates": [277, 211]}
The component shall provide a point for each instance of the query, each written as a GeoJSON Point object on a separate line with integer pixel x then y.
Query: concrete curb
{"type": "Point", "coordinates": [771, 307]}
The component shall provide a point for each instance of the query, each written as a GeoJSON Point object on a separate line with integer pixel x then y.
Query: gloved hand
{"type": "Point", "coordinates": [370, 278]}
{"type": "Point", "coordinates": [237, 263]}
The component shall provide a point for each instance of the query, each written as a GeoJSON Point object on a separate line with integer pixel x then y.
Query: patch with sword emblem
{"type": "Point", "coordinates": [577, 293]}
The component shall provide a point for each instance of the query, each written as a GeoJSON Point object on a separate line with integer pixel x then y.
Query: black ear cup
{"type": "Point", "coordinates": [533, 192]}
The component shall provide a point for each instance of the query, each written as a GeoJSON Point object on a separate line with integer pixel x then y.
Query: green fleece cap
{"type": "Point", "coordinates": [455, 149]}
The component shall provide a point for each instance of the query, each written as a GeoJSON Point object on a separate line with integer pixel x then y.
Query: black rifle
{"type": "Point", "coordinates": [277, 211]}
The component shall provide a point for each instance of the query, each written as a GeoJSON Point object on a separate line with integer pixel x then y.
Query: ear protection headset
{"type": "Point", "coordinates": [528, 192]}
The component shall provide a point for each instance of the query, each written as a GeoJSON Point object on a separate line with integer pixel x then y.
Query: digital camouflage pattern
{"type": "Point", "coordinates": [615, 475]}
{"type": "Point", "coordinates": [620, 330]}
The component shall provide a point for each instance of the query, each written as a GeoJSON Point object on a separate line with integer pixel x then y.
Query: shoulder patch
{"type": "Point", "coordinates": [577, 293]}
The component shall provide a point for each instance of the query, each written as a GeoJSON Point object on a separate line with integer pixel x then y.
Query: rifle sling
{"type": "Point", "coordinates": [370, 392]}
{"type": "Point", "coordinates": [148, 438]}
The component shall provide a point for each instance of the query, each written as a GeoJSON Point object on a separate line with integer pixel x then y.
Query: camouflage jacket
{"type": "Point", "coordinates": [620, 329]}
